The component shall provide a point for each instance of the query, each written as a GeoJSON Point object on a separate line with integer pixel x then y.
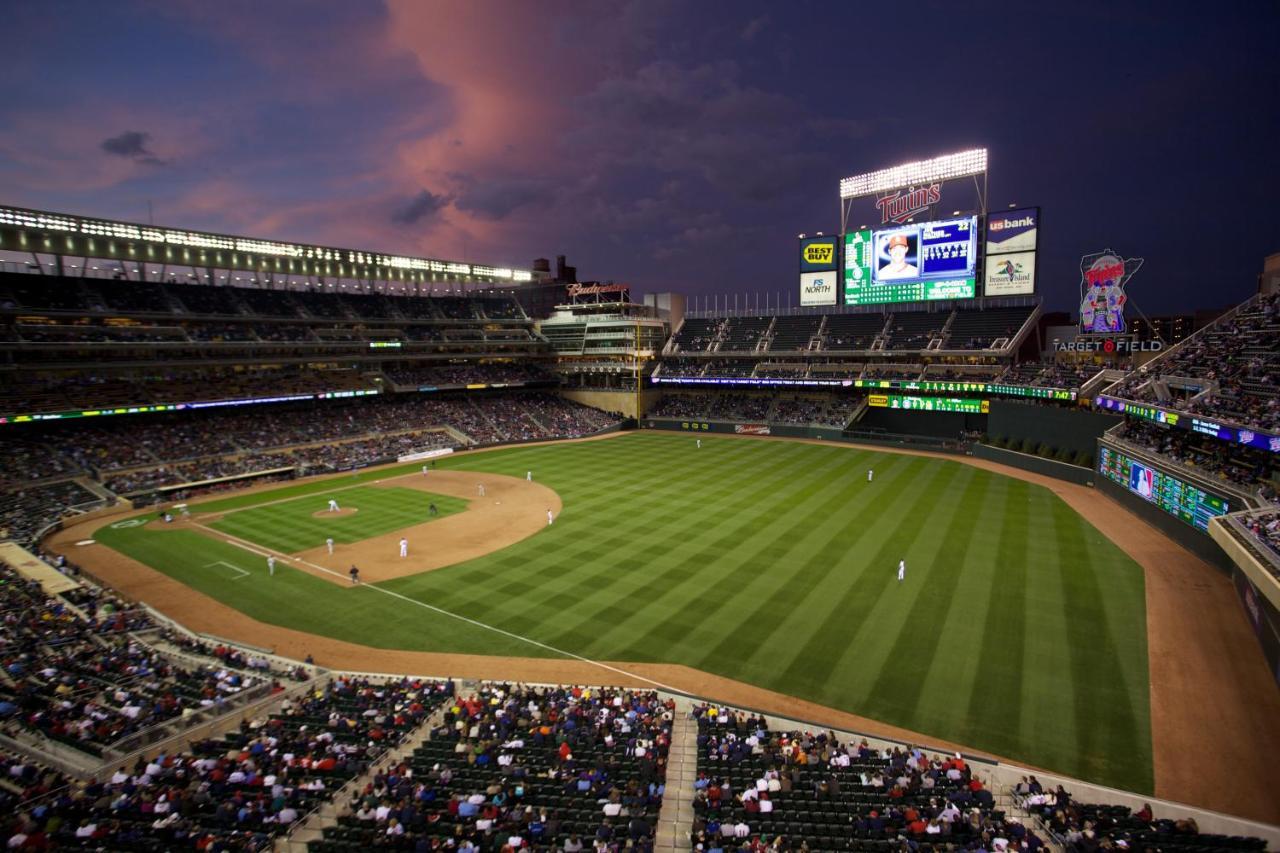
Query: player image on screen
{"type": "Point", "coordinates": [895, 256]}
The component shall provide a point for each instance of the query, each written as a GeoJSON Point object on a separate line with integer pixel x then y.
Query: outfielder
{"type": "Point", "coordinates": [550, 518]}
{"type": "Point", "coordinates": [271, 566]}
{"type": "Point", "coordinates": [870, 474]}
{"type": "Point", "coordinates": [902, 570]}
{"type": "Point", "coordinates": [425, 469]}
{"type": "Point", "coordinates": [329, 542]}
{"type": "Point", "coordinates": [404, 547]}
{"type": "Point", "coordinates": [699, 444]}
{"type": "Point", "coordinates": [333, 505]}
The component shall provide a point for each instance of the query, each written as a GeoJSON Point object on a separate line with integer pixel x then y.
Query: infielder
{"type": "Point", "coordinates": [550, 518]}
{"type": "Point", "coordinates": [404, 547]}
{"type": "Point", "coordinates": [481, 487]}
{"type": "Point", "coordinates": [329, 543]}
{"type": "Point", "coordinates": [433, 510]}
{"type": "Point", "coordinates": [870, 474]}
{"type": "Point", "coordinates": [902, 570]}
{"type": "Point", "coordinates": [528, 475]}
{"type": "Point", "coordinates": [355, 574]}
{"type": "Point", "coordinates": [333, 505]}
{"type": "Point", "coordinates": [271, 566]}
{"type": "Point", "coordinates": [425, 469]}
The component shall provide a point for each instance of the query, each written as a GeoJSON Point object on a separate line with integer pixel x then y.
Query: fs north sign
{"type": "Point", "coordinates": [818, 288]}
{"type": "Point", "coordinates": [818, 254]}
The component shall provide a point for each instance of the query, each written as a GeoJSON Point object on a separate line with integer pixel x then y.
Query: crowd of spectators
{"type": "Point", "coordinates": [1240, 354]}
{"type": "Point", "coordinates": [1089, 827]}
{"type": "Point", "coordinates": [235, 793]}
{"type": "Point", "coordinates": [803, 790]}
{"type": "Point", "coordinates": [760, 408]}
{"type": "Point", "coordinates": [77, 677]}
{"type": "Point", "coordinates": [515, 767]}
{"type": "Point", "coordinates": [1239, 465]}
{"type": "Point", "coordinates": [1266, 527]}
{"type": "Point", "coordinates": [466, 374]}
{"type": "Point", "coordinates": [26, 510]}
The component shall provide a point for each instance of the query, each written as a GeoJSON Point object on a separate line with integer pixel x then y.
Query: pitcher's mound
{"type": "Point", "coordinates": [324, 513]}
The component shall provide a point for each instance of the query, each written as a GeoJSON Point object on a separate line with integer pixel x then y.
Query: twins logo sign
{"type": "Point", "coordinates": [1103, 276]}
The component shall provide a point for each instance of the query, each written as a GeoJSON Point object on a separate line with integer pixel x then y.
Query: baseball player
{"type": "Point", "coordinates": [433, 510]}
{"type": "Point", "coordinates": [902, 570]}
{"type": "Point", "coordinates": [333, 505]}
{"type": "Point", "coordinates": [271, 566]}
{"type": "Point", "coordinates": [898, 266]}
{"type": "Point", "coordinates": [404, 547]}
{"type": "Point", "coordinates": [425, 469]}
{"type": "Point", "coordinates": [481, 487]}
{"type": "Point", "coordinates": [870, 474]}
{"type": "Point", "coordinates": [355, 574]}
{"type": "Point", "coordinates": [528, 475]}
{"type": "Point", "coordinates": [699, 444]}
{"type": "Point", "coordinates": [550, 518]}
{"type": "Point", "coordinates": [329, 543]}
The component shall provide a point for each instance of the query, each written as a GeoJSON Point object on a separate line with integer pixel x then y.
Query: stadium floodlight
{"type": "Point", "coordinates": [945, 168]}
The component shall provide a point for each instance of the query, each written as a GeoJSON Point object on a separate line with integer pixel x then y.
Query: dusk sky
{"type": "Point", "coordinates": [675, 146]}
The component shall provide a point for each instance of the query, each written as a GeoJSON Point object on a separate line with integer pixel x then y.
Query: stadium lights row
{"type": "Point", "coordinates": [945, 168]}
{"type": "Point", "coordinates": [37, 220]}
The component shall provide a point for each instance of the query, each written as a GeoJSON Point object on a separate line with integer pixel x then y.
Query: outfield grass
{"type": "Point", "coordinates": [291, 525]}
{"type": "Point", "coordinates": [1019, 628]}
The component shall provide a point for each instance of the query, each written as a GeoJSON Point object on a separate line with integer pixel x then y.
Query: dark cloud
{"type": "Point", "coordinates": [426, 205]}
{"type": "Point", "coordinates": [132, 145]}
{"type": "Point", "coordinates": [497, 199]}
{"type": "Point", "coordinates": [753, 28]}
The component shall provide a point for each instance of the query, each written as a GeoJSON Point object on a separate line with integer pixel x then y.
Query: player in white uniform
{"type": "Point", "coordinates": [425, 469]}
{"type": "Point", "coordinates": [481, 487]}
{"type": "Point", "coordinates": [329, 542]}
{"type": "Point", "coordinates": [870, 474]}
{"type": "Point", "coordinates": [550, 518]}
{"type": "Point", "coordinates": [528, 475]}
{"type": "Point", "coordinates": [699, 444]}
{"type": "Point", "coordinates": [404, 547]}
{"type": "Point", "coordinates": [333, 505]}
{"type": "Point", "coordinates": [902, 569]}
{"type": "Point", "coordinates": [271, 566]}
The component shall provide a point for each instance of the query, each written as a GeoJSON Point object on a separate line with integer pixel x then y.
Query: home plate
{"type": "Point", "coordinates": [87, 542]}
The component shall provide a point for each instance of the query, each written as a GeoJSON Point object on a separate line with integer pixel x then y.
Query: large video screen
{"type": "Point", "coordinates": [912, 263]}
{"type": "Point", "coordinates": [1190, 503]}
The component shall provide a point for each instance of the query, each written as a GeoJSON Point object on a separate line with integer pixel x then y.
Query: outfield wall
{"type": "Point", "coordinates": [1035, 464]}
{"type": "Point", "coordinates": [1179, 531]}
{"type": "Point", "coordinates": [1075, 429]}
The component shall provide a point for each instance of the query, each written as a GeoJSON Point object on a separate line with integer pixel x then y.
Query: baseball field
{"type": "Point", "coordinates": [1018, 628]}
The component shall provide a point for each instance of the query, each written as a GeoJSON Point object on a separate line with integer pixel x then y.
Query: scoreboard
{"type": "Point", "coordinates": [930, 404]}
{"type": "Point", "coordinates": [1190, 503]}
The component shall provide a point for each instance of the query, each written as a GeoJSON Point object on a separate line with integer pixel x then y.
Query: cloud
{"type": "Point", "coordinates": [132, 145]}
{"type": "Point", "coordinates": [753, 28]}
{"type": "Point", "coordinates": [499, 198]}
{"type": "Point", "coordinates": [426, 205]}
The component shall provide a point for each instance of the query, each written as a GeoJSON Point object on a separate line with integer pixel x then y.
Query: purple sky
{"type": "Point", "coordinates": [673, 145]}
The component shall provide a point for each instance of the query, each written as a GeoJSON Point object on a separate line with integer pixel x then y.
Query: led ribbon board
{"type": "Point", "coordinates": [1255, 438]}
{"type": "Point", "coordinates": [930, 404]}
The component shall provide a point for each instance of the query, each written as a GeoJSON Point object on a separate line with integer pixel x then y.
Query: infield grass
{"type": "Point", "coordinates": [291, 525]}
{"type": "Point", "coordinates": [1019, 628]}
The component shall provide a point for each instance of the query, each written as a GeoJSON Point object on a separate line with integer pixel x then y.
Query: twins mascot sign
{"type": "Point", "coordinates": [1103, 276]}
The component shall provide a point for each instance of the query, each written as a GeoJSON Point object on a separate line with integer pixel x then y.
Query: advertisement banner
{"type": "Point", "coordinates": [425, 454]}
{"type": "Point", "coordinates": [818, 288]}
{"type": "Point", "coordinates": [818, 254]}
{"type": "Point", "coordinates": [751, 429]}
{"type": "Point", "coordinates": [1010, 275]}
{"type": "Point", "coordinates": [914, 263]}
{"type": "Point", "coordinates": [1012, 231]}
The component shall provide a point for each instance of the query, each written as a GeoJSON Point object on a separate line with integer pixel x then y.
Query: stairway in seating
{"type": "Point", "coordinates": [675, 820]}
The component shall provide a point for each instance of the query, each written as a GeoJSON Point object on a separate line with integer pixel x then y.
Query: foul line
{"type": "Point", "coordinates": [241, 543]}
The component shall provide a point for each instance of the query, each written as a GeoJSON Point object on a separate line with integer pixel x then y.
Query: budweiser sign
{"type": "Point", "coordinates": [576, 290]}
{"type": "Point", "coordinates": [900, 206]}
